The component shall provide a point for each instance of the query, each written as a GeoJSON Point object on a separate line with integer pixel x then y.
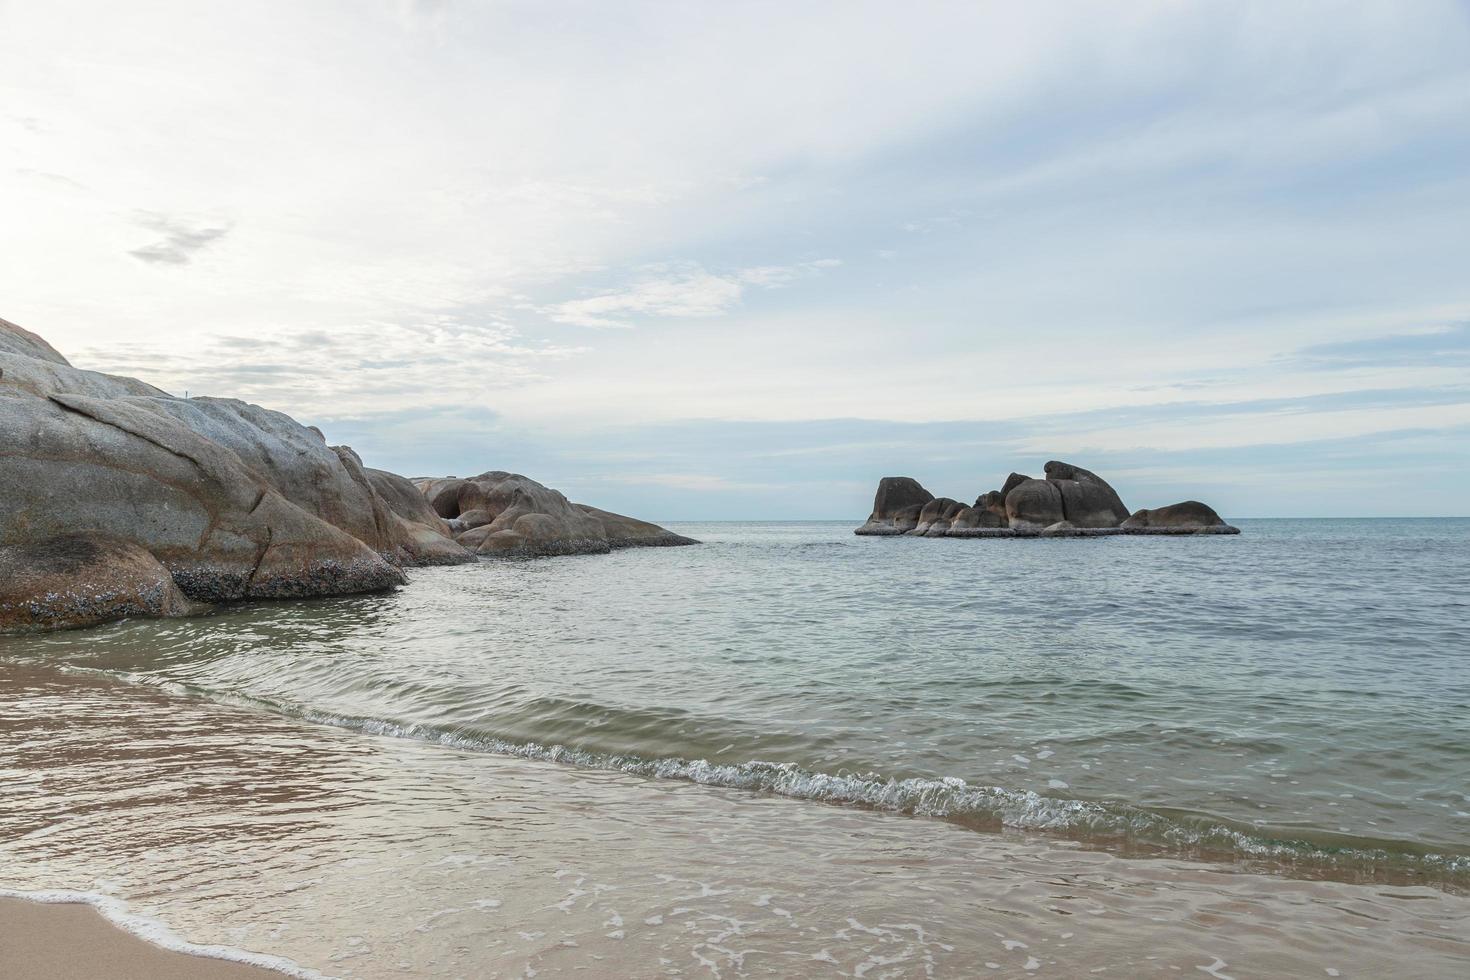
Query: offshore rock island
{"type": "Point", "coordinates": [118, 499]}
{"type": "Point", "coordinates": [1069, 502]}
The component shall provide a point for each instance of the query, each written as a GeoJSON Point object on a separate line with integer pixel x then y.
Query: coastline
{"type": "Point", "coordinates": [368, 855]}
{"type": "Point", "coordinates": [68, 938]}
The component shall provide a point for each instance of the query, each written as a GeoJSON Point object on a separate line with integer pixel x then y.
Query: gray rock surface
{"type": "Point", "coordinates": [896, 506]}
{"type": "Point", "coordinates": [230, 500]}
{"type": "Point", "coordinates": [1087, 499]}
{"type": "Point", "coordinates": [1034, 503]}
{"type": "Point", "coordinates": [507, 514]}
{"type": "Point", "coordinates": [935, 517]}
{"type": "Point", "coordinates": [1187, 515]}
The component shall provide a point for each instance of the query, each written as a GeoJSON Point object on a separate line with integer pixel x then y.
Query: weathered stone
{"type": "Point", "coordinates": [424, 536]}
{"type": "Point", "coordinates": [1070, 502]}
{"type": "Point", "coordinates": [993, 501]}
{"type": "Point", "coordinates": [229, 500]}
{"type": "Point", "coordinates": [629, 532]}
{"type": "Point", "coordinates": [896, 506]}
{"type": "Point", "coordinates": [990, 532]}
{"type": "Point", "coordinates": [935, 517]}
{"type": "Point", "coordinates": [80, 580]}
{"type": "Point", "coordinates": [1186, 515]}
{"type": "Point", "coordinates": [972, 517]}
{"type": "Point", "coordinates": [1012, 482]}
{"type": "Point", "coordinates": [232, 500]}
{"type": "Point", "coordinates": [1087, 499]}
{"type": "Point", "coordinates": [1034, 503]}
{"type": "Point", "coordinates": [506, 514]}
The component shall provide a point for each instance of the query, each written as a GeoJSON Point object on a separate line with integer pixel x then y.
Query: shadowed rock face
{"type": "Point", "coordinates": [1087, 499]}
{"type": "Point", "coordinates": [1034, 503]}
{"type": "Point", "coordinates": [499, 513]}
{"type": "Point", "coordinates": [897, 506]}
{"type": "Point", "coordinates": [79, 580]}
{"type": "Point", "coordinates": [1186, 514]}
{"type": "Point", "coordinates": [424, 536]}
{"type": "Point", "coordinates": [1070, 502]}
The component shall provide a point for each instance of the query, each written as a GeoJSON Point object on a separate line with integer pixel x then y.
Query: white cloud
{"type": "Point", "coordinates": [701, 482]}
{"type": "Point", "coordinates": [679, 290]}
{"type": "Point", "coordinates": [1109, 205]}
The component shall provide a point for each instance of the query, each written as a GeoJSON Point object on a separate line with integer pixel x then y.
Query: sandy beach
{"type": "Point", "coordinates": [72, 941]}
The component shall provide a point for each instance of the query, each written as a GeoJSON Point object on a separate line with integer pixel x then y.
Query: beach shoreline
{"type": "Point", "coordinates": [367, 855]}
{"type": "Point", "coordinates": [55, 940]}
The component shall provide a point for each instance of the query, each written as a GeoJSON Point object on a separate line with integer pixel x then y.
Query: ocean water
{"type": "Point", "coordinates": [1291, 705]}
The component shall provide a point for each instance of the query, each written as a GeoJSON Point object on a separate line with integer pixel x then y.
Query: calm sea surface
{"type": "Point", "coordinates": [1293, 700]}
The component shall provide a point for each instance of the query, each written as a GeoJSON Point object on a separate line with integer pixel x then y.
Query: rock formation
{"type": "Point", "coordinates": [897, 506]}
{"type": "Point", "coordinates": [1187, 515]}
{"type": "Point", "coordinates": [119, 499]}
{"type": "Point", "coordinates": [1069, 502]}
{"type": "Point", "coordinates": [500, 513]}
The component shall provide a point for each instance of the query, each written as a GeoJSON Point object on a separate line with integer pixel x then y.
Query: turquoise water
{"type": "Point", "coordinates": [1297, 696]}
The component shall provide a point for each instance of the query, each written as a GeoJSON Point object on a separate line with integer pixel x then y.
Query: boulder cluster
{"type": "Point", "coordinates": [1068, 502]}
{"type": "Point", "coordinates": [119, 499]}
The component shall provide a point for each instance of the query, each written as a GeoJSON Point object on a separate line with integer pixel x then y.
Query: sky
{"type": "Point", "coordinates": [740, 260]}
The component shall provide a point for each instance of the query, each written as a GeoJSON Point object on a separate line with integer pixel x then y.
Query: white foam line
{"type": "Point", "coordinates": [155, 933]}
{"type": "Point", "coordinates": [943, 797]}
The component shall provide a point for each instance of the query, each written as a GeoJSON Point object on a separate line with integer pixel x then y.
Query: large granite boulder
{"type": "Point", "coordinates": [977, 517]}
{"type": "Point", "coordinates": [119, 499]}
{"type": "Point", "coordinates": [1034, 503]}
{"type": "Point", "coordinates": [234, 501]}
{"type": "Point", "coordinates": [80, 580]}
{"type": "Point", "coordinates": [630, 532]}
{"type": "Point", "coordinates": [1189, 516]}
{"type": "Point", "coordinates": [935, 517]}
{"type": "Point", "coordinates": [896, 506]}
{"type": "Point", "coordinates": [1087, 499]}
{"type": "Point", "coordinates": [499, 513]}
{"type": "Point", "coordinates": [1012, 482]}
{"type": "Point", "coordinates": [424, 538]}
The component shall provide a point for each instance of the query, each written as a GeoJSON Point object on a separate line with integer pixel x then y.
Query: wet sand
{"type": "Point", "coordinates": [74, 942]}
{"type": "Point", "coordinates": [366, 856]}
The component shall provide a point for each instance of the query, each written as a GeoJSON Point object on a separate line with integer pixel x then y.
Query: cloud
{"type": "Point", "coordinates": [60, 179]}
{"type": "Point", "coordinates": [680, 290]}
{"type": "Point", "coordinates": [1093, 220]}
{"type": "Point", "coordinates": [1439, 346]}
{"type": "Point", "coordinates": [180, 240]}
{"type": "Point", "coordinates": [437, 364]}
{"type": "Point", "coordinates": [698, 482]}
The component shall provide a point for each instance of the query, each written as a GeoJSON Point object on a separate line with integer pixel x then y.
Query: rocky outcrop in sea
{"type": "Point", "coordinates": [119, 499]}
{"type": "Point", "coordinates": [1069, 502]}
{"type": "Point", "coordinates": [500, 513]}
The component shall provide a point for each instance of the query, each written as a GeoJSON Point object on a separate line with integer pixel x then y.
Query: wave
{"type": "Point", "coordinates": [154, 932]}
{"type": "Point", "coordinates": [950, 798]}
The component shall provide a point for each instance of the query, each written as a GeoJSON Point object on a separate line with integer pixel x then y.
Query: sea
{"type": "Point", "coordinates": [788, 751]}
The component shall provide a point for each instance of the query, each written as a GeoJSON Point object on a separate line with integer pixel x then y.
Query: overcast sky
{"type": "Point", "coordinates": [743, 259]}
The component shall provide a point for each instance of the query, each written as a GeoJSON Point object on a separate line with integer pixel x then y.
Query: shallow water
{"type": "Point", "coordinates": [1295, 700]}
{"type": "Point", "coordinates": [363, 856]}
{"type": "Point", "coordinates": [1299, 694]}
